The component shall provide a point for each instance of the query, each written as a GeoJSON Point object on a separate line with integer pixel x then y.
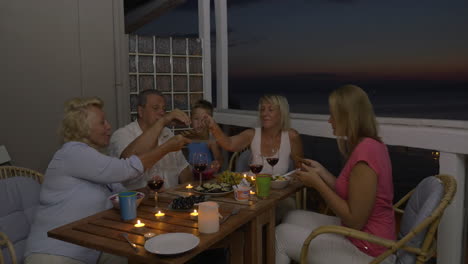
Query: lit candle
{"type": "Point", "coordinates": [252, 178]}
{"type": "Point", "coordinates": [159, 215]}
{"type": "Point", "coordinates": [245, 175]}
{"type": "Point", "coordinates": [189, 187]}
{"type": "Point", "coordinates": [252, 198]}
{"type": "Point", "coordinates": [194, 214]}
{"type": "Point", "coordinates": [139, 224]}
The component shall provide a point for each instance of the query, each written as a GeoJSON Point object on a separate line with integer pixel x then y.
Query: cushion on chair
{"type": "Point", "coordinates": [421, 204]}
{"type": "Point", "coordinates": [19, 197]}
{"type": "Point", "coordinates": [242, 162]}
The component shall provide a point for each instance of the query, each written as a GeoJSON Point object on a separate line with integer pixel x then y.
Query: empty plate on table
{"type": "Point", "coordinates": [171, 243]}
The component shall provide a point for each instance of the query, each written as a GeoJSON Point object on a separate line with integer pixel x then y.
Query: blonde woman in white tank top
{"type": "Point", "coordinates": [283, 153]}
{"type": "Point", "coordinates": [273, 136]}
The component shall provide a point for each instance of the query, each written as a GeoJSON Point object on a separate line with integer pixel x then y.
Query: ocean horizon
{"type": "Point", "coordinates": [429, 99]}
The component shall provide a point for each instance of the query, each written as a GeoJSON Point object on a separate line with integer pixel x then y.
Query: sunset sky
{"type": "Point", "coordinates": [395, 39]}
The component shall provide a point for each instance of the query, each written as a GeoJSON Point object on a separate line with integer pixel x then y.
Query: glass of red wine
{"type": "Point", "coordinates": [200, 162]}
{"type": "Point", "coordinates": [155, 184]}
{"type": "Point", "coordinates": [273, 160]}
{"type": "Point", "coordinates": [256, 164]}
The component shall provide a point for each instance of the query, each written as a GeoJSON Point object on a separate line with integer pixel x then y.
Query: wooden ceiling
{"type": "Point", "coordinates": [141, 12]}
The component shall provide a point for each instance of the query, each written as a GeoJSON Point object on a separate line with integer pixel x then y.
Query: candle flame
{"type": "Point", "coordinates": [195, 210]}
{"type": "Point", "coordinates": [159, 214]}
{"type": "Point", "coordinates": [139, 224]}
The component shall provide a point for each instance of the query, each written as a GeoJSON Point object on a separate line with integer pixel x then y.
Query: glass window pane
{"type": "Point", "coordinates": [179, 46]}
{"type": "Point", "coordinates": [180, 83]}
{"type": "Point", "coordinates": [179, 65]}
{"type": "Point", "coordinates": [146, 82]}
{"type": "Point", "coordinates": [163, 64]}
{"type": "Point", "coordinates": [145, 44]}
{"type": "Point", "coordinates": [163, 83]}
{"type": "Point", "coordinates": [145, 64]}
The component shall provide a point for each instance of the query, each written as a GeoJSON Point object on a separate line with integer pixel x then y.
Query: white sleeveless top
{"type": "Point", "coordinates": [284, 152]}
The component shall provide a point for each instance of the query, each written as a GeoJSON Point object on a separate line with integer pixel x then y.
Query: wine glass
{"type": "Point", "coordinates": [155, 184]}
{"type": "Point", "coordinates": [256, 164]}
{"type": "Point", "coordinates": [273, 160]}
{"type": "Point", "coordinates": [200, 162]}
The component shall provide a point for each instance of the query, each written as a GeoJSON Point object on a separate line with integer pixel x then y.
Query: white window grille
{"type": "Point", "coordinates": [170, 65]}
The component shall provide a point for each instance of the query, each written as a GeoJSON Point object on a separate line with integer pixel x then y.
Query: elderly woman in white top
{"type": "Point", "coordinates": [79, 179]}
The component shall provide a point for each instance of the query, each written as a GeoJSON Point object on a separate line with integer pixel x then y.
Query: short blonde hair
{"type": "Point", "coordinates": [283, 105]}
{"type": "Point", "coordinates": [75, 126]}
{"type": "Point", "coordinates": [354, 117]}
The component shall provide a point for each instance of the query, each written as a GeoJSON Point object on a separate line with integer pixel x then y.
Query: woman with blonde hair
{"type": "Point", "coordinates": [361, 196]}
{"type": "Point", "coordinates": [274, 136]}
{"type": "Point", "coordinates": [79, 179]}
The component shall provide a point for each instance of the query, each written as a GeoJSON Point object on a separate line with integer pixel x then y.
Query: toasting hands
{"type": "Point", "coordinates": [178, 115]}
{"type": "Point", "coordinates": [176, 143]}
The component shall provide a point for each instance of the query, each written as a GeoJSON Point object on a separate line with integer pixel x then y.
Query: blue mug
{"type": "Point", "coordinates": [128, 207]}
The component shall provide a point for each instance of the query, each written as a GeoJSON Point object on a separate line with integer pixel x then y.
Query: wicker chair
{"type": "Point", "coordinates": [416, 239]}
{"type": "Point", "coordinates": [16, 215]}
{"type": "Point", "coordinates": [5, 242]}
{"type": "Point", "coordinates": [239, 160]}
{"type": "Point", "coordinates": [13, 171]}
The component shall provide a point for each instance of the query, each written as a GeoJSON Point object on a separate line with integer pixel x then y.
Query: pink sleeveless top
{"type": "Point", "coordinates": [381, 221]}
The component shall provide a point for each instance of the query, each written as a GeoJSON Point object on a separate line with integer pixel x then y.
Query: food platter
{"type": "Point", "coordinates": [213, 189]}
{"type": "Point", "coordinates": [214, 193]}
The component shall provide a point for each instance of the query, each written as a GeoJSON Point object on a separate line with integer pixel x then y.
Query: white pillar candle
{"type": "Point", "coordinates": [208, 217]}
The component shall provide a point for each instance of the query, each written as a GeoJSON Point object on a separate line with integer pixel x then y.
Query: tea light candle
{"type": "Point", "coordinates": [149, 235]}
{"type": "Point", "coordinates": [159, 215]}
{"type": "Point", "coordinates": [245, 175]}
{"type": "Point", "coordinates": [252, 198]}
{"type": "Point", "coordinates": [189, 187]}
{"type": "Point", "coordinates": [194, 214]}
{"type": "Point", "coordinates": [139, 224]}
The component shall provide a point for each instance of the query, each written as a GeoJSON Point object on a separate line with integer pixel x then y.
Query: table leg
{"type": "Point", "coordinates": [236, 248]}
{"type": "Point", "coordinates": [260, 238]}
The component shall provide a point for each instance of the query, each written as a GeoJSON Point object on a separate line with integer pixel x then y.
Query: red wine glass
{"type": "Point", "coordinates": [273, 160]}
{"type": "Point", "coordinates": [256, 164]}
{"type": "Point", "coordinates": [155, 184]}
{"type": "Point", "coordinates": [200, 162]}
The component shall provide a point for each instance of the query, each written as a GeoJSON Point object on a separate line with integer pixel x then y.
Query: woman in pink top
{"type": "Point", "coordinates": [361, 197]}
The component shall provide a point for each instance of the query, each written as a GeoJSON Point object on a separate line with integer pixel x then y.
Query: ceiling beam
{"type": "Point", "coordinates": [147, 12]}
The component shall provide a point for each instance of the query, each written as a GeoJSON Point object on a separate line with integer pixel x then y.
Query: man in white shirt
{"type": "Point", "coordinates": [151, 126]}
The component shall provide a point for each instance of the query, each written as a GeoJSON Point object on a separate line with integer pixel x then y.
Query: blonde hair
{"type": "Point", "coordinates": [75, 126]}
{"type": "Point", "coordinates": [283, 105]}
{"type": "Point", "coordinates": [354, 117]}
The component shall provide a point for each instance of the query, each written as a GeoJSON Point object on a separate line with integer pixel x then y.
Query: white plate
{"type": "Point", "coordinates": [171, 243]}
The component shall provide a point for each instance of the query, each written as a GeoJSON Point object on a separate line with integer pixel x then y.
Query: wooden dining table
{"type": "Point", "coordinates": [249, 234]}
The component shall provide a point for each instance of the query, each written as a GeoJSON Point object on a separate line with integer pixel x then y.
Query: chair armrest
{"type": "Point", "coordinates": [392, 245]}
{"type": "Point", "coordinates": [4, 240]}
{"type": "Point", "coordinates": [405, 198]}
